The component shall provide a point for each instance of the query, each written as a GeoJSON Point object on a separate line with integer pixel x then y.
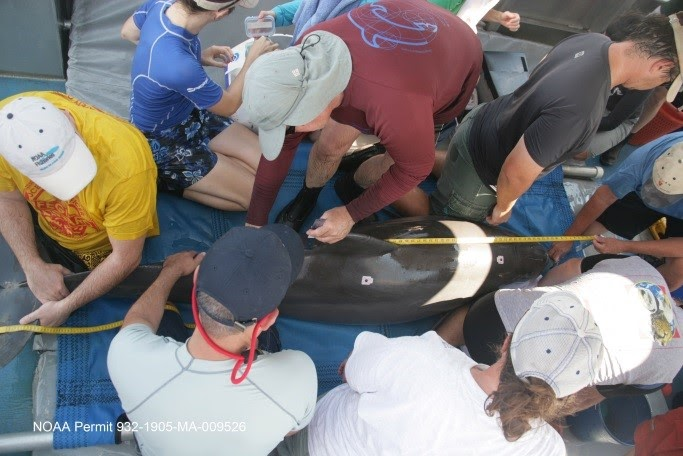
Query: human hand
{"type": "Point", "coordinates": [217, 56]}
{"type": "Point", "coordinates": [263, 14]}
{"type": "Point", "coordinates": [338, 223]}
{"type": "Point", "coordinates": [183, 263]}
{"type": "Point", "coordinates": [50, 313]}
{"type": "Point", "coordinates": [499, 216]}
{"type": "Point", "coordinates": [609, 245]}
{"type": "Point", "coordinates": [260, 46]}
{"type": "Point", "coordinates": [510, 20]}
{"type": "Point", "coordinates": [558, 250]}
{"type": "Point", "coordinates": [46, 281]}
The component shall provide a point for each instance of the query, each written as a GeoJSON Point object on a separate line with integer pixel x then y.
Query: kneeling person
{"type": "Point", "coordinates": [647, 186]}
{"type": "Point", "coordinates": [90, 181]}
{"type": "Point", "coordinates": [200, 387]}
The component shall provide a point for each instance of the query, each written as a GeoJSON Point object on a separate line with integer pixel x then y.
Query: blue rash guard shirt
{"type": "Point", "coordinates": [168, 78]}
{"type": "Point", "coordinates": [636, 170]}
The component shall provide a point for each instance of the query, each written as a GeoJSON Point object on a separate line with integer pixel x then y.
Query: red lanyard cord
{"type": "Point", "coordinates": [239, 359]}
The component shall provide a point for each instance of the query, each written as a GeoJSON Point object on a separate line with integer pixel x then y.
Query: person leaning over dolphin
{"type": "Point", "coordinates": [349, 77]}
{"type": "Point", "coordinates": [90, 181]}
{"type": "Point", "coordinates": [502, 147]}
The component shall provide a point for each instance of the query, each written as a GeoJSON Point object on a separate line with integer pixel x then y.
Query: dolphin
{"type": "Point", "coordinates": [362, 279]}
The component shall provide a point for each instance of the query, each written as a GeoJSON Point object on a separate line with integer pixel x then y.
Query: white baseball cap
{"type": "Point", "coordinates": [557, 341]}
{"type": "Point", "coordinates": [667, 171]}
{"type": "Point", "coordinates": [39, 140]}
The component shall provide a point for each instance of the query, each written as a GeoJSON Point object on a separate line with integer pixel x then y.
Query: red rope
{"type": "Point", "coordinates": [239, 359]}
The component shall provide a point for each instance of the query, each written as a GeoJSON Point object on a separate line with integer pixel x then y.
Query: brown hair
{"type": "Point", "coordinates": [518, 402]}
{"type": "Point", "coordinates": [652, 34]}
{"type": "Point", "coordinates": [192, 7]}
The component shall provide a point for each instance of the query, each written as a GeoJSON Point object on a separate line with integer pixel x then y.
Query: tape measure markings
{"type": "Point", "coordinates": [75, 330]}
{"type": "Point", "coordinates": [488, 240]}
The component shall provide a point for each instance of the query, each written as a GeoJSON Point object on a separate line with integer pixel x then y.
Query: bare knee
{"type": "Point", "coordinates": [329, 149]}
{"type": "Point", "coordinates": [372, 169]}
{"type": "Point", "coordinates": [559, 274]}
{"type": "Point", "coordinates": [672, 271]}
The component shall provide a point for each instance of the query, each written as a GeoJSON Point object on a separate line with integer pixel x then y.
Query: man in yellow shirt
{"type": "Point", "coordinates": [79, 184]}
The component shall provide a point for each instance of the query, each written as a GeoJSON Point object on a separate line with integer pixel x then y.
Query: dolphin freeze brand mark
{"type": "Point", "coordinates": [385, 28]}
{"type": "Point", "coordinates": [405, 282]}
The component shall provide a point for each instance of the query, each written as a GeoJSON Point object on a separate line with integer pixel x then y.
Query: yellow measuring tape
{"type": "Point", "coordinates": [75, 330]}
{"type": "Point", "coordinates": [488, 240]}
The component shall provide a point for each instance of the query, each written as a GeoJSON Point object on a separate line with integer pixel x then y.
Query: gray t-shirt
{"type": "Point", "coordinates": [180, 405]}
{"type": "Point", "coordinates": [638, 319]}
{"type": "Point", "coordinates": [558, 109]}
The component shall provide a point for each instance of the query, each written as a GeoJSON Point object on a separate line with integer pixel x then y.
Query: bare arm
{"type": "Point", "coordinates": [232, 96]}
{"type": "Point", "coordinates": [586, 397]}
{"type": "Point", "coordinates": [149, 308]}
{"type": "Point", "coordinates": [507, 19]}
{"type": "Point", "coordinates": [516, 176]}
{"type": "Point", "coordinates": [16, 226]}
{"type": "Point", "coordinates": [124, 258]}
{"type": "Point", "coordinates": [663, 248]}
{"type": "Point", "coordinates": [596, 205]}
{"type": "Point", "coordinates": [650, 108]}
{"type": "Point", "coordinates": [130, 31]}
{"type": "Point", "coordinates": [561, 273]}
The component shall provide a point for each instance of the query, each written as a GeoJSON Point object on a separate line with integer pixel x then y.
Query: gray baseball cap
{"type": "Point", "coordinates": [558, 341]}
{"type": "Point", "coordinates": [293, 86]}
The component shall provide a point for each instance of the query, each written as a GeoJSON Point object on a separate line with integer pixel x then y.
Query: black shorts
{"type": "Point", "coordinates": [483, 330]}
{"type": "Point", "coordinates": [629, 216]}
{"type": "Point", "coordinates": [53, 252]}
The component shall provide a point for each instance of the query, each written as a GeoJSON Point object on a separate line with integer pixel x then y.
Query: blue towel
{"type": "Point", "coordinates": [543, 210]}
{"type": "Point", "coordinates": [85, 393]}
{"type": "Point", "coordinates": [313, 12]}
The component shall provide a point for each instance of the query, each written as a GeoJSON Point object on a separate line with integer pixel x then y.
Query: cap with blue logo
{"type": "Point", "coordinates": [40, 142]}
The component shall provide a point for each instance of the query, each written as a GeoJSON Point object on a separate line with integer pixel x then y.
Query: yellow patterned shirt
{"type": "Point", "coordinates": [120, 202]}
